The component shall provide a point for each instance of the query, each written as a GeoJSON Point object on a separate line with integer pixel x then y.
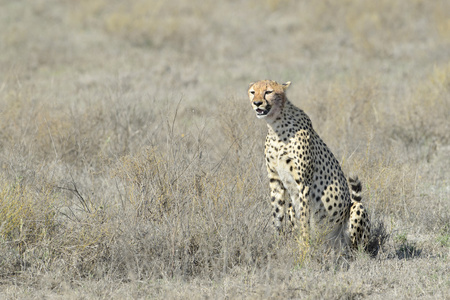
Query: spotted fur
{"type": "Point", "coordinates": [301, 167]}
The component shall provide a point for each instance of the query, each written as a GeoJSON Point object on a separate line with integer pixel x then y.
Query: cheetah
{"type": "Point", "coordinates": [302, 167]}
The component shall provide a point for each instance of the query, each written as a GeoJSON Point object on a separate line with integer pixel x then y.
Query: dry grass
{"type": "Point", "coordinates": [131, 163]}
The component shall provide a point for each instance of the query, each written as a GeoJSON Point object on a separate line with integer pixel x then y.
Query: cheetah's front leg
{"type": "Point", "coordinates": [278, 199]}
{"type": "Point", "coordinates": [302, 210]}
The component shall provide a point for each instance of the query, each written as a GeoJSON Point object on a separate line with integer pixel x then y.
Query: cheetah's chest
{"type": "Point", "coordinates": [279, 159]}
{"type": "Point", "coordinates": [288, 180]}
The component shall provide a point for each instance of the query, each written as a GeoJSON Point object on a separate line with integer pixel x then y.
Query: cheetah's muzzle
{"type": "Point", "coordinates": [262, 112]}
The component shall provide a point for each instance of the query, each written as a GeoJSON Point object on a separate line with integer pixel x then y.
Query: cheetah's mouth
{"type": "Point", "coordinates": [262, 112]}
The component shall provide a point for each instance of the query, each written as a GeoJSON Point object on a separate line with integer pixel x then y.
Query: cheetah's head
{"type": "Point", "coordinates": [267, 97]}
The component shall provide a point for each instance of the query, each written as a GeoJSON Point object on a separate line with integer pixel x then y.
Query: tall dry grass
{"type": "Point", "coordinates": [131, 163]}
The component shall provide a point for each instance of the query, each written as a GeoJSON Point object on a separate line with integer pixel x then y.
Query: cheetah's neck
{"type": "Point", "coordinates": [290, 120]}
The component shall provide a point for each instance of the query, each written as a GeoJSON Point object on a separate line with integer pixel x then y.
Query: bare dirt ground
{"type": "Point", "coordinates": [131, 164]}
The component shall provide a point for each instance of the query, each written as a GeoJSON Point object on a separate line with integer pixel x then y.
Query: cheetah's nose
{"type": "Point", "coordinates": [257, 104]}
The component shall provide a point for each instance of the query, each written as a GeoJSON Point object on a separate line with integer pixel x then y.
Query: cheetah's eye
{"type": "Point", "coordinates": [268, 92]}
{"type": "Point", "coordinates": [252, 92]}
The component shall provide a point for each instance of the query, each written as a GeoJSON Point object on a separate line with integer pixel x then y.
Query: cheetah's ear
{"type": "Point", "coordinates": [286, 85]}
{"type": "Point", "coordinates": [250, 84]}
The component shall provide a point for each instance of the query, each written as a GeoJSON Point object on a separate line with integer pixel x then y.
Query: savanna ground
{"type": "Point", "coordinates": [131, 163]}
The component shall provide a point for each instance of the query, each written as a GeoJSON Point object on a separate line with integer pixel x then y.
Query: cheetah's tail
{"type": "Point", "coordinates": [355, 188]}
